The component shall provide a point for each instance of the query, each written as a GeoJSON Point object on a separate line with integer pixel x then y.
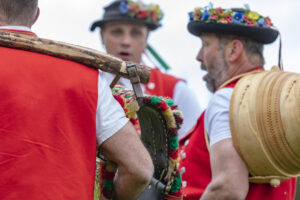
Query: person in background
{"type": "Point", "coordinates": [232, 44]}
{"type": "Point", "coordinates": [52, 113]}
{"type": "Point", "coordinates": [125, 27]}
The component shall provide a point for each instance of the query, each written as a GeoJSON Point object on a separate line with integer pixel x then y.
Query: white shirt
{"type": "Point", "coordinates": [183, 97]}
{"type": "Point", "coordinates": [20, 28]}
{"type": "Point", "coordinates": [110, 116]}
{"type": "Point", "coordinates": [216, 119]}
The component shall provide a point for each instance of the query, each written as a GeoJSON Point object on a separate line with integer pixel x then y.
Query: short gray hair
{"type": "Point", "coordinates": [252, 48]}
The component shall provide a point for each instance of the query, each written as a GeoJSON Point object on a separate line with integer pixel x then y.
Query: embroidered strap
{"type": "Point", "coordinates": [158, 119]}
{"type": "Point", "coordinates": [236, 78]}
{"type": "Point", "coordinates": [206, 140]}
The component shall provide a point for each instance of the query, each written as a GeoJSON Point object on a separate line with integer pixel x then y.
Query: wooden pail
{"type": "Point", "coordinates": [265, 125]}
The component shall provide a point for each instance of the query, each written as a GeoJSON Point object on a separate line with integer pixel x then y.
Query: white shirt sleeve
{"type": "Point", "coordinates": [187, 102]}
{"type": "Point", "coordinates": [110, 116]}
{"type": "Point", "coordinates": [216, 119]}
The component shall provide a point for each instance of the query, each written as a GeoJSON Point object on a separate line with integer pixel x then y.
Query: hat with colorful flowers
{"type": "Point", "coordinates": [234, 21]}
{"type": "Point", "coordinates": [133, 11]}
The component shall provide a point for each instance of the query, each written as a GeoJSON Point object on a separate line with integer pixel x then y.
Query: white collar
{"type": "Point", "coordinates": [19, 28]}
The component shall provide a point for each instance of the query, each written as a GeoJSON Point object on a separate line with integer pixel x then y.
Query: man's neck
{"type": "Point", "coordinates": [242, 67]}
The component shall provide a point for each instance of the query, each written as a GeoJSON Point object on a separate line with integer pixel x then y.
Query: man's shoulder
{"type": "Point", "coordinates": [220, 97]}
{"type": "Point", "coordinates": [157, 72]}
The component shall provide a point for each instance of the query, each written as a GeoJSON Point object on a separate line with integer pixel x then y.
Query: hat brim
{"type": "Point", "coordinates": [259, 34]}
{"type": "Point", "coordinates": [100, 23]}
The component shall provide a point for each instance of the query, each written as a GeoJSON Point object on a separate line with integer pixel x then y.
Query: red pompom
{"type": "Point", "coordinates": [173, 154]}
{"type": "Point", "coordinates": [163, 105]}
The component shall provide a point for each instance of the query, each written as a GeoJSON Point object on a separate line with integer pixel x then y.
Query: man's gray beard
{"type": "Point", "coordinates": [211, 84]}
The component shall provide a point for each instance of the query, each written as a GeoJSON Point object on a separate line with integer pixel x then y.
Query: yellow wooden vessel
{"type": "Point", "coordinates": [265, 124]}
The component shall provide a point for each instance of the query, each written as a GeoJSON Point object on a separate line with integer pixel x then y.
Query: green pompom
{"type": "Point", "coordinates": [155, 100]}
{"type": "Point", "coordinates": [174, 142]}
{"type": "Point", "coordinates": [170, 102]}
{"type": "Point", "coordinates": [176, 185]}
{"type": "Point", "coordinates": [108, 184]}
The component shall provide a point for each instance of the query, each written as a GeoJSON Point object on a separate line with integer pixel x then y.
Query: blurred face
{"type": "Point", "coordinates": [126, 40]}
{"type": "Point", "coordinates": [212, 58]}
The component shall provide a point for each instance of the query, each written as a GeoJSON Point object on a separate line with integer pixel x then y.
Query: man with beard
{"type": "Point", "coordinates": [125, 28]}
{"type": "Point", "coordinates": [232, 44]}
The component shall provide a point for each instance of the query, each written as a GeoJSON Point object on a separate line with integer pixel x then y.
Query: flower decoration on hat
{"type": "Point", "coordinates": [230, 16]}
{"type": "Point", "coordinates": [151, 12]}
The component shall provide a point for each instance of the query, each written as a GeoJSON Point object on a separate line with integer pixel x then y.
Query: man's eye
{"type": "Point", "coordinates": [116, 32]}
{"type": "Point", "coordinates": [136, 33]}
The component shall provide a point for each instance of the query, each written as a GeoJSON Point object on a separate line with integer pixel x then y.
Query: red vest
{"type": "Point", "coordinates": [197, 175]}
{"type": "Point", "coordinates": [194, 163]}
{"type": "Point", "coordinates": [161, 84]}
{"type": "Point", "coordinates": [47, 127]}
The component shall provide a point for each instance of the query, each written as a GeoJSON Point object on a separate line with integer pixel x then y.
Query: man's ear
{"type": "Point", "coordinates": [234, 50]}
{"type": "Point", "coordinates": [36, 15]}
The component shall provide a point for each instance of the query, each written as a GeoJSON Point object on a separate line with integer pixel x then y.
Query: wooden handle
{"type": "Point", "coordinates": [86, 56]}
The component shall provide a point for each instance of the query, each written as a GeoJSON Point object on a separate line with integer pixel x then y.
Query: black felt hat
{"type": "Point", "coordinates": [125, 10]}
{"type": "Point", "coordinates": [237, 21]}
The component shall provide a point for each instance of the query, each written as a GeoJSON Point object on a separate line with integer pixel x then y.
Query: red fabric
{"type": "Point", "coordinates": [285, 191]}
{"type": "Point", "coordinates": [173, 197]}
{"type": "Point", "coordinates": [198, 174]}
{"type": "Point", "coordinates": [47, 127]}
{"type": "Point", "coordinates": [196, 163]}
{"type": "Point", "coordinates": [164, 84]}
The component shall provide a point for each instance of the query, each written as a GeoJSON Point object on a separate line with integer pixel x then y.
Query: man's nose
{"type": "Point", "coordinates": [200, 56]}
{"type": "Point", "coordinates": [126, 40]}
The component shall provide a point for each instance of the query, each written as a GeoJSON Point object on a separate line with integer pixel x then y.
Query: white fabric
{"type": "Point", "coordinates": [216, 119]}
{"type": "Point", "coordinates": [20, 28]}
{"type": "Point", "coordinates": [110, 116]}
{"type": "Point", "coordinates": [187, 102]}
{"type": "Point", "coordinates": [183, 96]}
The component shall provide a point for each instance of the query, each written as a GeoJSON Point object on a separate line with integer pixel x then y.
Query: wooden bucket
{"type": "Point", "coordinates": [265, 125]}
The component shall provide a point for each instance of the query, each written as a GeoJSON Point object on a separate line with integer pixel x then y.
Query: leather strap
{"type": "Point", "coordinates": [136, 82]}
{"type": "Point", "coordinates": [115, 81]}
